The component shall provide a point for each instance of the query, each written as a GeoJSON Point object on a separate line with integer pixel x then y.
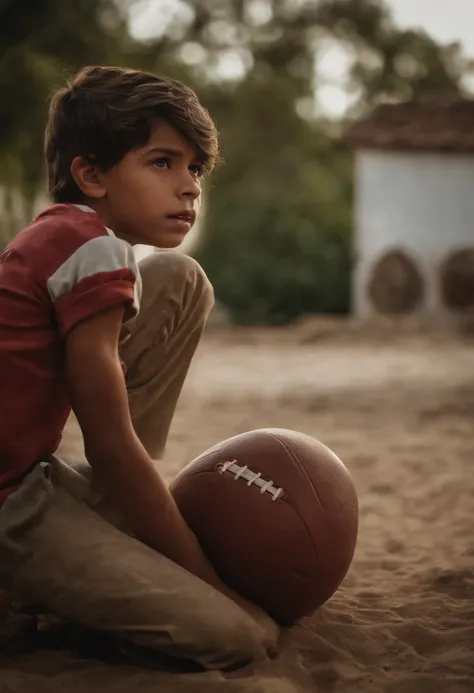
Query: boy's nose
{"type": "Point", "coordinates": [191, 188]}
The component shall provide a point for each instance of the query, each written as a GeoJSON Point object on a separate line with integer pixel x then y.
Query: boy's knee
{"type": "Point", "coordinates": [196, 278]}
{"type": "Point", "coordinates": [225, 650]}
{"type": "Point", "coordinates": [180, 274]}
{"type": "Point", "coordinates": [226, 639]}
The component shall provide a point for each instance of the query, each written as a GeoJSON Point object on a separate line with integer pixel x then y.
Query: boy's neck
{"type": "Point", "coordinates": [86, 207]}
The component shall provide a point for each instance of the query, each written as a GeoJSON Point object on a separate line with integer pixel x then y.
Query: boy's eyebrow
{"type": "Point", "coordinates": [166, 150]}
{"type": "Point", "coordinates": [170, 151]}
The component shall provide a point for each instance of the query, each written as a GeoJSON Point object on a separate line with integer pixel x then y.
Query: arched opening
{"type": "Point", "coordinates": [457, 280]}
{"type": "Point", "coordinates": [395, 286]}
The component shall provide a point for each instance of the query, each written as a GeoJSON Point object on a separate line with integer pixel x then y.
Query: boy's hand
{"type": "Point", "coordinates": [270, 628]}
{"type": "Point", "coordinates": [268, 625]}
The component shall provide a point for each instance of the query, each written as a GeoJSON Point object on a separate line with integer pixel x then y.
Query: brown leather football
{"type": "Point", "coordinates": [276, 512]}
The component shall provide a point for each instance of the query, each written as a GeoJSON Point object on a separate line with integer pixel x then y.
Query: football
{"type": "Point", "coordinates": [276, 512]}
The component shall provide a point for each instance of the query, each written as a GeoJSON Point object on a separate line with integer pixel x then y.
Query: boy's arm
{"type": "Point", "coordinates": [99, 399]}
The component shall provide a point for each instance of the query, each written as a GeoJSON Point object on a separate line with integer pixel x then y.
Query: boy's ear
{"type": "Point", "coordinates": [87, 177]}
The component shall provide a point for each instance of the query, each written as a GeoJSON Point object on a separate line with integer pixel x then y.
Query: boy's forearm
{"type": "Point", "coordinates": [145, 502]}
{"type": "Point", "coordinates": [152, 514]}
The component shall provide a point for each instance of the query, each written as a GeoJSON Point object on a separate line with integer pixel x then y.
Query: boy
{"type": "Point", "coordinates": [82, 325]}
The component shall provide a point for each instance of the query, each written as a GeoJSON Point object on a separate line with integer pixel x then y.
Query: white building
{"type": "Point", "coordinates": [414, 211]}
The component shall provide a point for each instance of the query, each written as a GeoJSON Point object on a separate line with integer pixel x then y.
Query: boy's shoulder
{"type": "Point", "coordinates": [69, 258]}
{"type": "Point", "coordinates": [67, 238]}
{"type": "Point", "coordinates": [61, 229]}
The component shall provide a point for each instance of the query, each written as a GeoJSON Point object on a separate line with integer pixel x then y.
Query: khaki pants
{"type": "Point", "coordinates": [64, 548]}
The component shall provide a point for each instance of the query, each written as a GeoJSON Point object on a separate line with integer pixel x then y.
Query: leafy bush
{"type": "Point", "coordinates": [277, 252]}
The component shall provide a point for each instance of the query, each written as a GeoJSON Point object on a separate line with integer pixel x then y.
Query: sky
{"type": "Point", "coordinates": [446, 20]}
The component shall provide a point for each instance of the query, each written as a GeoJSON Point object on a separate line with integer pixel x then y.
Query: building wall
{"type": "Point", "coordinates": [416, 202]}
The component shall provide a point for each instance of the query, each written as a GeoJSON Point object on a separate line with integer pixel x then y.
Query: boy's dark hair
{"type": "Point", "coordinates": [104, 112]}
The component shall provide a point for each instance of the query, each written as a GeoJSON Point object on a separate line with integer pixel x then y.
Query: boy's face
{"type": "Point", "coordinates": [152, 196]}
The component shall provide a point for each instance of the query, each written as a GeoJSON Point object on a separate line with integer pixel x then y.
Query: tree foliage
{"type": "Point", "coordinates": [39, 43]}
{"type": "Point", "coordinates": [276, 241]}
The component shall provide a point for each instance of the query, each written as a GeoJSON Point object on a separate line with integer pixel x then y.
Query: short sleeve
{"type": "Point", "coordinates": [100, 274]}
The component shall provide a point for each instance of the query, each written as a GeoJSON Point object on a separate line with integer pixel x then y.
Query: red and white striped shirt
{"type": "Point", "coordinates": [62, 268]}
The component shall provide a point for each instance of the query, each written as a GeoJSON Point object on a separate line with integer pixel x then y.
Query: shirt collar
{"type": "Point", "coordinates": [85, 208]}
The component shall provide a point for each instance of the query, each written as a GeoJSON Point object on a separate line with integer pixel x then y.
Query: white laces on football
{"type": "Point", "coordinates": [244, 472]}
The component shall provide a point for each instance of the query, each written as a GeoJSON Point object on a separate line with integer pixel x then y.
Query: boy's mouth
{"type": "Point", "coordinates": [187, 216]}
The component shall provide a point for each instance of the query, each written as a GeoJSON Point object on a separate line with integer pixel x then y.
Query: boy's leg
{"type": "Point", "coordinates": [177, 298]}
{"type": "Point", "coordinates": [57, 548]}
{"type": "Point", "coordinates": [58, 553]}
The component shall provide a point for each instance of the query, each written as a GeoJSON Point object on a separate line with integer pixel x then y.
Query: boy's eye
{"type": "Point", "coordinates": [165, 162]}
{"type": "Point", "coordinates": [197, 170]}
{"type": "Point", "coordinates": [162, 162]}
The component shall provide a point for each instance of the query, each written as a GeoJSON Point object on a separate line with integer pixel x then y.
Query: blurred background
{"type": "Point", "coordinates": [285, 80]}
{"type": "Point", "coordinates": [346, 195]}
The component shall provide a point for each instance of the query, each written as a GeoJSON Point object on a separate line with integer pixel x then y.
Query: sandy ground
{"type": "Point", "coordinates": [399, 412]}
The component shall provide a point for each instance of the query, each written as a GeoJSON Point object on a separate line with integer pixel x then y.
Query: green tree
{"type": "Point", "coordinates": [277, 236]}
{"type": "Point", "coordinates": [276, 241]}
{"type": "Point", "coordinates": [41, 42]}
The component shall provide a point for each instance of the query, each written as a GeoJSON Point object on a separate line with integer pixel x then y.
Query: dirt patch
{"type": "Point", "coordinates": [400, 416]}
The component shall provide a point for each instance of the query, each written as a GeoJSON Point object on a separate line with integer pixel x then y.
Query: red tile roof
{"type": "Point", "coordinates": [416, 125]}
